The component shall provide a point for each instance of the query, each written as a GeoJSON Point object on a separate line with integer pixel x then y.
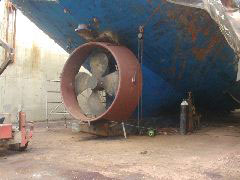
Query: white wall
{"type": "Point", "coordinates": [38, 58]}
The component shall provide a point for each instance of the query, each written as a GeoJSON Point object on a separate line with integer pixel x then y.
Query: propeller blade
{"type": "Point", "coordinates": [95, 105]}
{"type": "Point", "coordinates": [84, 81]}
{"type": "Point", "coordinates": [83, 101]}
{"type": "Point", "coordinates": [98, 64]}
{"type": "Point", "coordinates": [110, 83]}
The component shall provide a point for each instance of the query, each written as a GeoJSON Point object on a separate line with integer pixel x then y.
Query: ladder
{"type": "Point", "coordinates": [55, 110]}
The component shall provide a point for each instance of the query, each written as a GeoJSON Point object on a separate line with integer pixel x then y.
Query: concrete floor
{"type": "Point", "coordinates": [57, 153]}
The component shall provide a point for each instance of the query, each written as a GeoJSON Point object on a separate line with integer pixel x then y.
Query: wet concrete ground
{"type": "Point", "coordinates": [57, 153]}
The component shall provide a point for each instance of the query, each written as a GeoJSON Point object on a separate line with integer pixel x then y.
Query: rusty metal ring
{"type": "Point", "coordinates": [129, 88]}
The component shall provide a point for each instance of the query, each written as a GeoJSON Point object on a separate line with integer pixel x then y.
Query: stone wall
{"type": "Point", "coordinates": [23, 84]}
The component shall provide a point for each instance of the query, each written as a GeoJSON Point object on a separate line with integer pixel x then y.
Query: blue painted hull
{"type": "Point", "coordinates": [184, 49]}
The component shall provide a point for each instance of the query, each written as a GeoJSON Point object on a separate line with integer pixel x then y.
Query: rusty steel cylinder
{"type": "Point", "coordinates": [129, 84]}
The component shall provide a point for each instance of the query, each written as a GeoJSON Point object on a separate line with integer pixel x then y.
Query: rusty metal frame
{"type": "Point", "coordinates": [25, 136]}
{"type": "Point", "coordinates": [10, 135]}
{"type": "Point", "coordinates": [9, 51]}
{"type": "Point", "coordinates": [9, 58]}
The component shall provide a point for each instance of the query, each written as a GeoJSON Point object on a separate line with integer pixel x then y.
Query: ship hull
{"type": "Point", "coordinates": [183, 48]}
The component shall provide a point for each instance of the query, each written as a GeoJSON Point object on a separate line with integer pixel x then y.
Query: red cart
{"type": "Point", "coordinates": [16, 138]}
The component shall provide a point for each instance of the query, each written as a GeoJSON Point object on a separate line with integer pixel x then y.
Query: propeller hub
{"type": "Point", "coordinates": [99, 85]}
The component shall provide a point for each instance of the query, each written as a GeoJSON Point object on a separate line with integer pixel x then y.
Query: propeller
{"type": "Point", "coordinates": [99, 81]}
{"type": "Point", "coordinates": [110, 83]}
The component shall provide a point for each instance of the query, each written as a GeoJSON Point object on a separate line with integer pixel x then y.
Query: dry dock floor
{"type": "Point", "coordinates": [58, 153]}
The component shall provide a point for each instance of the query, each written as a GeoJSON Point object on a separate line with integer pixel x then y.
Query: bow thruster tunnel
{"type": "Point", "coordinates": [107, 89]}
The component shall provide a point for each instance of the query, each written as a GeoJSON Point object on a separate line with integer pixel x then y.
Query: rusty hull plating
{"type": "Point", "coordinates": [130, 82]}
{"type": "Point", "coordinates": [184, 49]}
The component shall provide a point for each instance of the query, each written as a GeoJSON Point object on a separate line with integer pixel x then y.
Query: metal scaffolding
{"type": "Point", "coordinates": [57, 104]}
